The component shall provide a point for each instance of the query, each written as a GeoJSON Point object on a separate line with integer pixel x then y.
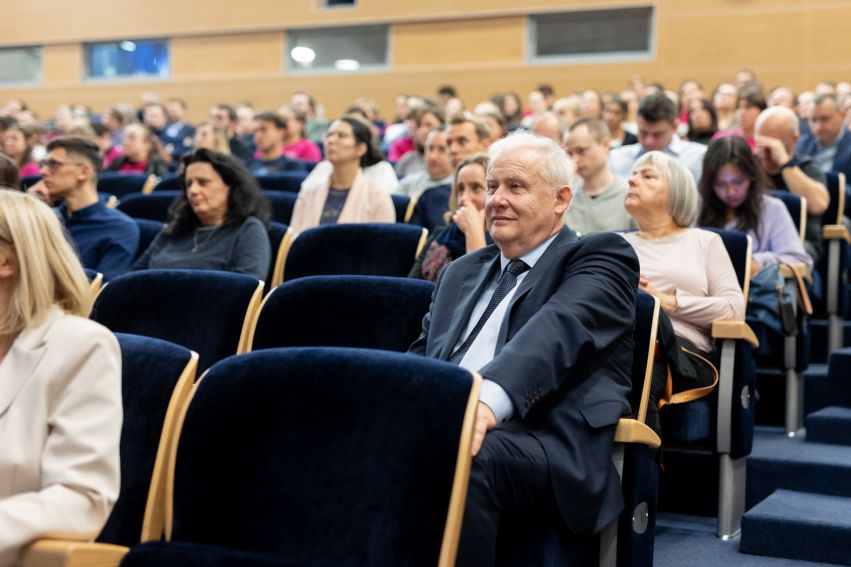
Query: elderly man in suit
{"type": "Point", "coordinates": [547, 319]}
{"type": "Point", "coordinates": [829, 144]}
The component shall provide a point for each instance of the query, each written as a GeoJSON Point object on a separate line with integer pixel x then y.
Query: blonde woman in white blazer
{"type": "Point", "coordinates": [60, 385]}
{"type": "Point", "coordinates": [347, 195]}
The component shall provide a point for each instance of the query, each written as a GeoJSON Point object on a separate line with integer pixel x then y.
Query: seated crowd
{"type": "Point", "coordinates": [548, 219]}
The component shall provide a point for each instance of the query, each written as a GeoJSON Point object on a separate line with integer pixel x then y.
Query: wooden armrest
{"type": "Point", "coordinates": [836, 232]}
{"type": "Point", "coordinates": [63, 552]}
{"type": "Point", "coordinates": [736, 330]}
{"type": "Point", "coordinates": [799, 273]}
{"type": "Point", "coordinates": [150, 183]}
{"type": "Point", "coordinates": [633, 431]}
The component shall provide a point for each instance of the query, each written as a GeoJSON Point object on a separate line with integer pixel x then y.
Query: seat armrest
{"type": "Point", "coordinates": [799, 273]}
{"type": "Point", "coordinates": [62, 552]}
{"type": "Point", "coordinates": [836, 232]}
{"type": "Point", "coordinates": [633, 431]}
{"type": "Point", "coordinates": [735, 330]}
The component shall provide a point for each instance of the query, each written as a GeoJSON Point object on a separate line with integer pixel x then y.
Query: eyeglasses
{"type": "Point", "coordinates": [53, 165]}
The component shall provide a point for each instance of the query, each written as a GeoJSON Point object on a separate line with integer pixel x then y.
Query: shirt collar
{"type": "Point", "coordinates": [83, 213]}
{"type": "Point", "coordinates": [532, 256]}
{"type": "Point", "coordinates": [835, 142]}
{"type": "Point", "coordinates": [675, 148]}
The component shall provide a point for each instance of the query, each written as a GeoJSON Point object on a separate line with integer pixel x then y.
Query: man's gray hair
{"type": "Point", "coordinates": [557, 169]}
{"type": "Point", "coordinates": [780, 112]}
{"type": "Point", "coordinates": [682, 189]}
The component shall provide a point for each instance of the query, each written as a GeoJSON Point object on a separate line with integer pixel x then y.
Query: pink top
{"type": "Point", "coordinates": [304, 149]}
{"type": "Point", "coordinates": [694, 265]}
{"type": "Point", "coordinates": [113, 153]}
{"type": "Point", "coordinates": [399, 148]}
{"type": "Point", "coordinates": [29, 168]}
{"type": "Point", "coordinates": [737, 132]}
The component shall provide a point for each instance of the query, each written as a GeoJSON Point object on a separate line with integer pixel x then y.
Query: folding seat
{"type": "Point", "coordinates": [156, 379]}
{"type": "Point", "coordinates": [148, 230]}
{"type": "Point", "coordinates": [319, 456]}
{"type": "Point", "coordinates": [284, 181]}
{"type": "Point", "coordinates": [121, 184]}
{"type": "Point", "coordinates": [404, 206]}
{"type": "Point", "coordinates": [834, 268]}
{"type": "Point", "coordinates": [347, 311]}
{"type": "Point", "coordinates": [170, 182]}
{"type": "Point", "coordinates": [207, 311]}
{"type": "Point", "coordinates": [280, 238]}
{"type": "Point", "coordinates": [153, 206]}
{"type": "Point", "coordinates": [377, 249]}
{"type": "Point", "coordinates": [282, 204]}
{"type": "Point", "coordinates": [95, 281]}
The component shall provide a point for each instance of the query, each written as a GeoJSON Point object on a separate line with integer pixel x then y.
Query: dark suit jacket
{"type": "Point", "coordinates": [808, 146]}
{"type": "Point", "coordinates": [563, 355]}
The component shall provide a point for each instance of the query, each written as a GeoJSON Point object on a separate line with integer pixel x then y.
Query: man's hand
{"type": "Point", "coordinates": [773, 149]}
{"type": "Point", "coordinates": [485, 421]}
{"type": "Point", "coordinates": [39, 191]}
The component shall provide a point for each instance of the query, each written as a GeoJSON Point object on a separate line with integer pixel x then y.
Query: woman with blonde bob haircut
{"type": "Point", "coordinates": [60, 387]}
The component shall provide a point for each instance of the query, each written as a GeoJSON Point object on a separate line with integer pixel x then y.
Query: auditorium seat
{"type": "Point", "coordinates": [207, 311]}
{"type": "Point", "coordinates": [377, 249]}
{"type": "Point", "coordinates": [153, 206]}
{"type": "Point", "coordinates": [834, 266]}
{"type": "Point", "coordinates": [170, 182]}
{"type": "Point", "coordinates": [156, 378]}
{"type": "Point", "coordinates": [404, 207]}
{"type": "Point", "coordinates": [95, 281]}
{"type": "Point", "coordinates": [281, 205]}
{"type": "Point", "coordinates": [345, 311]}
{"type": "Point", "coordinates": [320, 456]}
{"type": "Point", "coordinates": [148, 230]}
{"type": "Point", "coordinates": [280, 238]}
{"type": "Point", "coordinates": [121, 184]}
{"type": "Point", "coordinates": [284, 181]}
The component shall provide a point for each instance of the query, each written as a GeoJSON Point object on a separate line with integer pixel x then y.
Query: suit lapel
{"type": "Point", "coordinates": [469, 292]}
{"type": "Point", "coordinates": [22, 360]}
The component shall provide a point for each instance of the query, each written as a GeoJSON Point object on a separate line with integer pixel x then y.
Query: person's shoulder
{"type": "Point", "coordinates": [630, 150]}
{"type": "Point", "coordinates": [82, 329]}
{"type": "Point", "coordinates": [251, 223]}
{"type": "Point", "coordinates": [603, 241]}
{"type": "Point", "coordinates": [474, 258]}
{"type": "Point", "coordinates": [119, 217]}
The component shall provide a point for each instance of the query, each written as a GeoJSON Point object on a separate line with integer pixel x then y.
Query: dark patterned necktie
{"type": "Point", "coordinates": [505, 285]}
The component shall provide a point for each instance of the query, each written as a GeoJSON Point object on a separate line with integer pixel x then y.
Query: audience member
{"type": "Point", "coordinates": [315, 127]}
{"type": "Point", "coordinates": [548, 92]}
{"type": "Point", "coordinates": [438, 170]}
{"type": "Point", "coordinates": [567, 109]}
{"type": "Point", "coordinates": [211, 137]}
{"type": "Point", "coordinates": [688, 269]}
{"type": "Point", "coordinates": [732, 193]}
{"type": "Point", "coordinates": [750, 104]}
{"type": "Point", "coordinates": [178, 136]}
{"type": "Point", "coordinates": [614, 114]}
{"type": "Point", "coordinates": [217, 223]}
{"type": "Point", "coordinates": [141, 153]}
{"type": "Point", "coordinates": [598, 195]}
{"type": "Point", "coordinates": [465, 228]}
{"type": "Point", "coordinates": [776, 135]}
{"type": "Point", "coordinates": [9, 177]}
{"type": "Point", "coordinates": [548, 125]}
{"type": "Point", "coordinates": [296, 146]}
{"type": "Point", "coordinates": [444, 93]}
{"type": "Point", "coordinates": [745, 77]}
{"type": "Point", "coordinates": [702, 121]}
{"type": "Point", "coordinates": [657, 117]}
{"type": "Point", "coordinates": [106, 239]}
{"type": "Point", "coordinates": [18, 144]}
{"type": "Point", "coordinates": [512, 109]}
{"type": "Point", "coordinates": [829, 143]}
{"type": "Point", "coordinates": [61, 376]}
{"type": "Point", "coordinates": [422, 120]}
{"type": "Point", "coordinates": [782, 96]}
{"type": "Point", "coordinates": [724, 101]}
{"type": "Point", "coordinates": [224, 116]}
{"type": "Point", "coordinates": [565, 308]}
{"type": "Point", "coordinates": [269, 136]}
{"type": "Point", "coordinates": [690, 90]}
{"type": "Point", "coordinates": [591, 104]}
{"type": "Point", "coordinates": [347, 194]}
{"type": "Point", "coordinates": [495, 123]}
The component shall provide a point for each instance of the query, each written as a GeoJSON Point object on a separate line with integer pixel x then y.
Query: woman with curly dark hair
{"type": "Point", "coordinates": [732, 191]}
{"type": "Point", "coordinates": [218, 223]}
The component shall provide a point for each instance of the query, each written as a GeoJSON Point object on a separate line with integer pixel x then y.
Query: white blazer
{"type": "Point", "coordinates": [60, 426]}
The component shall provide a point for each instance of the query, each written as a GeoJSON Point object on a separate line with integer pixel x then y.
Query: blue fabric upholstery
{"type": "Point", "coordinates": [153, 206]}
{"type": "Point", "coordinates": [347, 311]}
{"type": "Point", "coordinates": [367, 249]}
{"type": "Point", "coordinates": [160, 553]}
{"type": "Point", "coordinates": [400, 203]}
{"type": "Point", "coordinates": [431, 206]}
{"type": "Point", "coordinates": [170, 182]}
{"type": "Point", "coordinates": [281, 205]}
{"type": "Point", "coordinates": [91, 274]}
{"type": "Point", "coordinates": [150, 369]}
{"type": "Point", "coordinates": [203, 310]}
{"type": "Point", "coordinates": [283, 181]}
{"type": "Point", "coordinates": [121, 184]}
{"type": "Point", "coordinates": [148, 230]}
{"type": "Point", "coordinates": [277, 231]}
{"type": "Point", "coordinates": [321, 456]}
{"type": "Point", "coordinates": [28, 181]}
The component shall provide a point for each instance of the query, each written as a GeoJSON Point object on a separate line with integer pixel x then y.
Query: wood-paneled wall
{"type": "Point", "coordinates": [235, 51]}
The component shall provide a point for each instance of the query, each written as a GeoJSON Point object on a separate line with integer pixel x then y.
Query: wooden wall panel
{"type": "Point", "coordinates": [234, 55]}
{"type": "Point", "coordinates": [63, 64]}
{"type": "Point", "coordinates": [459, 42]}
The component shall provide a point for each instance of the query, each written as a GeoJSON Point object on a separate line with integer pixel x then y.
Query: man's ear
{"type": "Point", "coordinates": [86, 171]}
{"type": "Point", "coordinates": [563, 197]}
{"type": "Point", "coordinates": [486, 142]}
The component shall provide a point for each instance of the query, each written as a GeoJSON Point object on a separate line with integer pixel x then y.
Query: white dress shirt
{"type": "Point", "coordinates": [690, 154]}
{"type": "Point", "coordinates": [483, 349]}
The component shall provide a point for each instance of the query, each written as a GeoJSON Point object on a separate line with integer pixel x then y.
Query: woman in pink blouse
{"type": "Point", "coordinates": [296, 145]}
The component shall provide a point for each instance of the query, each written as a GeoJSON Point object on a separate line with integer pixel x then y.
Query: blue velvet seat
{"type": "Point", "coordinates": [148, 230]}
{"type": "Point", "coordinates": [283, 181]}
{"type": "Point", "coordinates": [402, 205]}
{"type": "Point", "coordinates": [153, 206]}
{"type": "Point", "coordinates": [320, 456]}
{"type": "Point", "coordinates": [376, 249]}
{"type": "Point", "coordinates": [281, 203]}
{"type": "Point", "coordinates": [834, 263]}
{"type": "Point", "coordinates": [121, 184]}
{"type": "Point", "coordinates": [170, 182]}
{"type": "Point", "coordinates": [28, 181]}
{"type": "Point", "coordinates": [430, 207]}
{"type": "Point", "coordinates": [96, 281]}
{"type": "Point", "coordinates": [347, 311]}
{"type": "Point", "coordinates": [629, 539]}
{"type": "Point", "coordinates": [207, 311]}
{"type": "Point", "coordinates": [280, 237]}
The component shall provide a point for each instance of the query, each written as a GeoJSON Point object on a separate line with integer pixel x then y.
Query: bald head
{"type": "Point", "coordinates": [548, 125]}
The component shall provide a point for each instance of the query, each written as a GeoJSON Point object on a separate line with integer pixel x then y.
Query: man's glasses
{"type": "Point", "coordinates": [53, 165]}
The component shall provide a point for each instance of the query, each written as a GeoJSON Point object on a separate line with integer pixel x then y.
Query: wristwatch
{"type": "Point", "coordinates": [793, 162]}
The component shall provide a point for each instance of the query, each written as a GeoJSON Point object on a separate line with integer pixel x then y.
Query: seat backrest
{"type": "Point", "coordinates": [156, 377]}
{"type": "Point", "coordinates": [644, 335]}
{"type": "Point", "coordinates": [153, 206]}
{"type": "Point", "coordinates": [170, 182]}
{"type": "Point", "coordinates": [121, 184]}
{"type": "Point", "coordinates": [281, 204]}
{"type": "Point", "coordinates": [95, 281]}
{"type": "Point", "coordinates": [28, 181]}
{"type": "Point", "coordinates": [325, 456]}
{"type": "Point", "coordinates": [207, 311]}
{"type": "Point", "coordinates": [738, 247]}
{"type": "Point", "coordinates": [280, 237]}
{"type": "Point", "coordinates": [797, 207]}
{"type": "Point", "coordinates": [148, 230]}
{"type": "Point", "coordinates": [836, 189]}
{"type": "Point", "coordinates": [400, 203]}
{"type": "Point", "coordinates": [346, 311]}
{"type": "Point", "coordinates": [282, 181]}
{"type": "Point", "coordinates": [375, 249]}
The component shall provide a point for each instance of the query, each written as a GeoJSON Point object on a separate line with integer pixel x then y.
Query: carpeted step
{"type": "Point", "coordinates": [799, 525]}
{"type": "Point", "coordinates": [818, 340]}
{"type": "Point", "coordinates": [839, 377]}
{"type": "Point", "coordinates": [780, 462]}
{"type": "Point", "coordinates": [830, 425]}
{"type": "Point", "coordinates": [771, 386]}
